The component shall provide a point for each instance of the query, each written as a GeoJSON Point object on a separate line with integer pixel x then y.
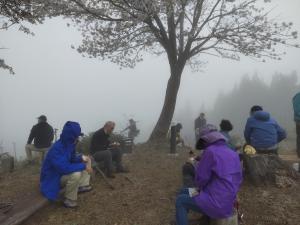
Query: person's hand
{"type": "Point", "coordinates": [85, 158]}
{"type": "Point", "coordinates": [115, 144]}
{"type": "Point", "coordinates": [89, 169]}
{"type": "Point", "coordinates": [197, 158]}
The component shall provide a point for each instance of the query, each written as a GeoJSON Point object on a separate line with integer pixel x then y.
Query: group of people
{"type": "Point", "coordinates": [212, 179]}
{"type": "Point", "coordinates": [63, 167]}
{"type": "Point", "coordinates": [216, 172]}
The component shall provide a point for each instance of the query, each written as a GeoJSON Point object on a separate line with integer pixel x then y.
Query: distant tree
{"type": "Point", "coordinates": [121, 30]}
{"type": "Point", "coordinates": [275, 98]}
{"type": "Point", "coordinates": [14, 12]}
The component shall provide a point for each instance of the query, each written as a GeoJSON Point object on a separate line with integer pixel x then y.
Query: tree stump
{"type": "Point", "coordinates": [6, 163]}
{"type": "Point", "coordinates": [268, 169]}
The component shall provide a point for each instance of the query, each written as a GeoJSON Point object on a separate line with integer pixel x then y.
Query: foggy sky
{"type": "Point", "coordinates": [55, 80]}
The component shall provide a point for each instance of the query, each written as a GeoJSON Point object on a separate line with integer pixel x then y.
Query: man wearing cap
{"type": "Point", "coordinates": [296, 105]}
{"type": "Point", "coordinates": [42, 134]}
{"type": "Point", "coordinates": [62, 167]}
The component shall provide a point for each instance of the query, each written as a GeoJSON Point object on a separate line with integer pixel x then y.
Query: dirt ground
{"type": "Point", "coordinates": [148, 196]}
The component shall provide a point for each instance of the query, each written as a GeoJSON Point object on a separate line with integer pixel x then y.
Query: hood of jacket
{"type": "Point", "coordinates": [208, 135]}
{"type": "Point", "coordinates": [262, 115]}
{"type": "Point", "coordinates": [70, 133]}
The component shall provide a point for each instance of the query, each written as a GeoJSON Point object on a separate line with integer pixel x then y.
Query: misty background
{"type": "Point", "coordinates": [53, 79]}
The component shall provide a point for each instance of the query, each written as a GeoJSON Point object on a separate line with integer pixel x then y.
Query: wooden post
{"type": "Point", "coordinates": [173, 140]}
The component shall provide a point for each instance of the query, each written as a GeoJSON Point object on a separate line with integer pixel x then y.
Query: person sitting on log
{"type": "Point", "coordinates": [103, 150]}
{"type": "Point", "coordinates": [218, 176]}
{"type": "Point", "coordinates": [263, 132]}
{"type": "Point", "coordinates": [42, 134]}
{"type": "Point", "coordinates": [62, 167]}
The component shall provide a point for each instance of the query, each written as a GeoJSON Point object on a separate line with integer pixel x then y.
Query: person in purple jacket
{"type": "Point", "coordinates": [218, 178]}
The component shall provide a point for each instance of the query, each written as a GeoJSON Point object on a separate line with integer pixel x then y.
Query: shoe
{"type": "Point", "coordinates": [68, 203]}
{"type": "Point", "coordinates": [84, 189]}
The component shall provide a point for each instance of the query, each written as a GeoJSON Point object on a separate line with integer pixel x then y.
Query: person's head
{"type": "Point", "coordinates": [208, 135]}
{"type": "Point", "coordinates": [71, 133]}
{"type": "Point", "coordinates": [226, 125]}
{"type": "Point", "coordinates": [109, 127]}
{"type": "Point", "coordinates": [202, 115]}
{"type": "Point", "coordinates": [255, 108]}
{"type": "Point", "coordinates": [131, 121]}
{"type": "Point", "coordinates": [42, 119]}
{"type": "Point", "coordinates": [178, 127]}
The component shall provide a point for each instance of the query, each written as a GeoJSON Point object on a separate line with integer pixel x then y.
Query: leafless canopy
{"type": "Point", "coordinates": [121, 30]}
{"type": "Point", "coordinates": [15, 12]}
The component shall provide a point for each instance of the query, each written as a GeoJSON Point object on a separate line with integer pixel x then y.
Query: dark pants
{"type": "Point", "coordinates": [185, 203]}
{"type": "Point", "coordinates": [109, 157]}
{"type": "Point", "coordinates": [188, 175]}
{"type": "Point", "coordinates": [298, 138]}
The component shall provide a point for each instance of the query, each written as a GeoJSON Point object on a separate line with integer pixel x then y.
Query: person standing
{"type": "Point", "coordinates": [199, 123]}
{"type": "Point", "coordinates": [132, 129]}
{"type": "Point", "coordinates": [296, 105]}
{"type": "Point", "coordinates": [42, 135]}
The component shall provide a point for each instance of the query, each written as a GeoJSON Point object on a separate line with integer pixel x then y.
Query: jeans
{"type": "Point", "coordinates": [188, 175]}
{"type": "Point", "coordinates": [108, 157]}
{"type": "Point", "coordinates": [184, 203]}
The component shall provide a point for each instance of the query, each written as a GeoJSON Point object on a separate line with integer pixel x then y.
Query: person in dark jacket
{"type": "Point", "coordinates": [42, 134]}
{"type": "Point", "coordinates": [103, 150]}
{"type": "Point", "coordinates": [296, 105]}
{"type": "Point", "coordinates": [132, 129]}
{"type": "Point", "coordinates": [199, 123]}
{"type": "Point", "coordinates": [63, 167]}
{"type": "Point", "coordinates": [263, 132]}
{"type": "Point", "coordinates": [225, 128]}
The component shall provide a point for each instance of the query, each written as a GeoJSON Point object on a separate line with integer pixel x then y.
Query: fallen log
{"type": "Point", "coordinates": [23, 209]}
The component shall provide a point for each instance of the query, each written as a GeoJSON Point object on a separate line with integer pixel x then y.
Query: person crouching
{"type": "Point", "coordinates": [218, 176]}
{"type": "Point", "coordinates": [63, 168]}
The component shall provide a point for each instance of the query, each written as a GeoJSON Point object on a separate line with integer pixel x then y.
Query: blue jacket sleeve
{"type": "Point", "coordinates": [281, 134]}
{"type": "Point", "coordinates": [76, 158]}
{"type": "Point", "coordinates": [247, 131]}
{"type": "Point", "coordinates": [204, 169]}
{"type": "Point", "coordinates": [63, 166]}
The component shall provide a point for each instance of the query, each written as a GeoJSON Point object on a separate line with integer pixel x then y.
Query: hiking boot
{"type": "Point", "coordinates": [68, 203]}
{"type": "Point", "coordinates": [84, 189]}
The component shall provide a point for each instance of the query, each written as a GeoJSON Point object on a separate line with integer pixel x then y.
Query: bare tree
{"type": "Point", "coordinates": [122, 30]}
{"type": "Point", "coordinates": [14, 12]}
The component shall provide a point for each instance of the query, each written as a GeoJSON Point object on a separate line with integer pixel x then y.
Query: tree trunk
{"type": "Point", "coordinates": [269, 169]}
{"type": "Point", "coordinates": [161, 128]}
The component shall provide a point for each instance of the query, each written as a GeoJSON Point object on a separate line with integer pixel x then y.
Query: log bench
{"type": "Point", "coordinates": [23, 209]}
